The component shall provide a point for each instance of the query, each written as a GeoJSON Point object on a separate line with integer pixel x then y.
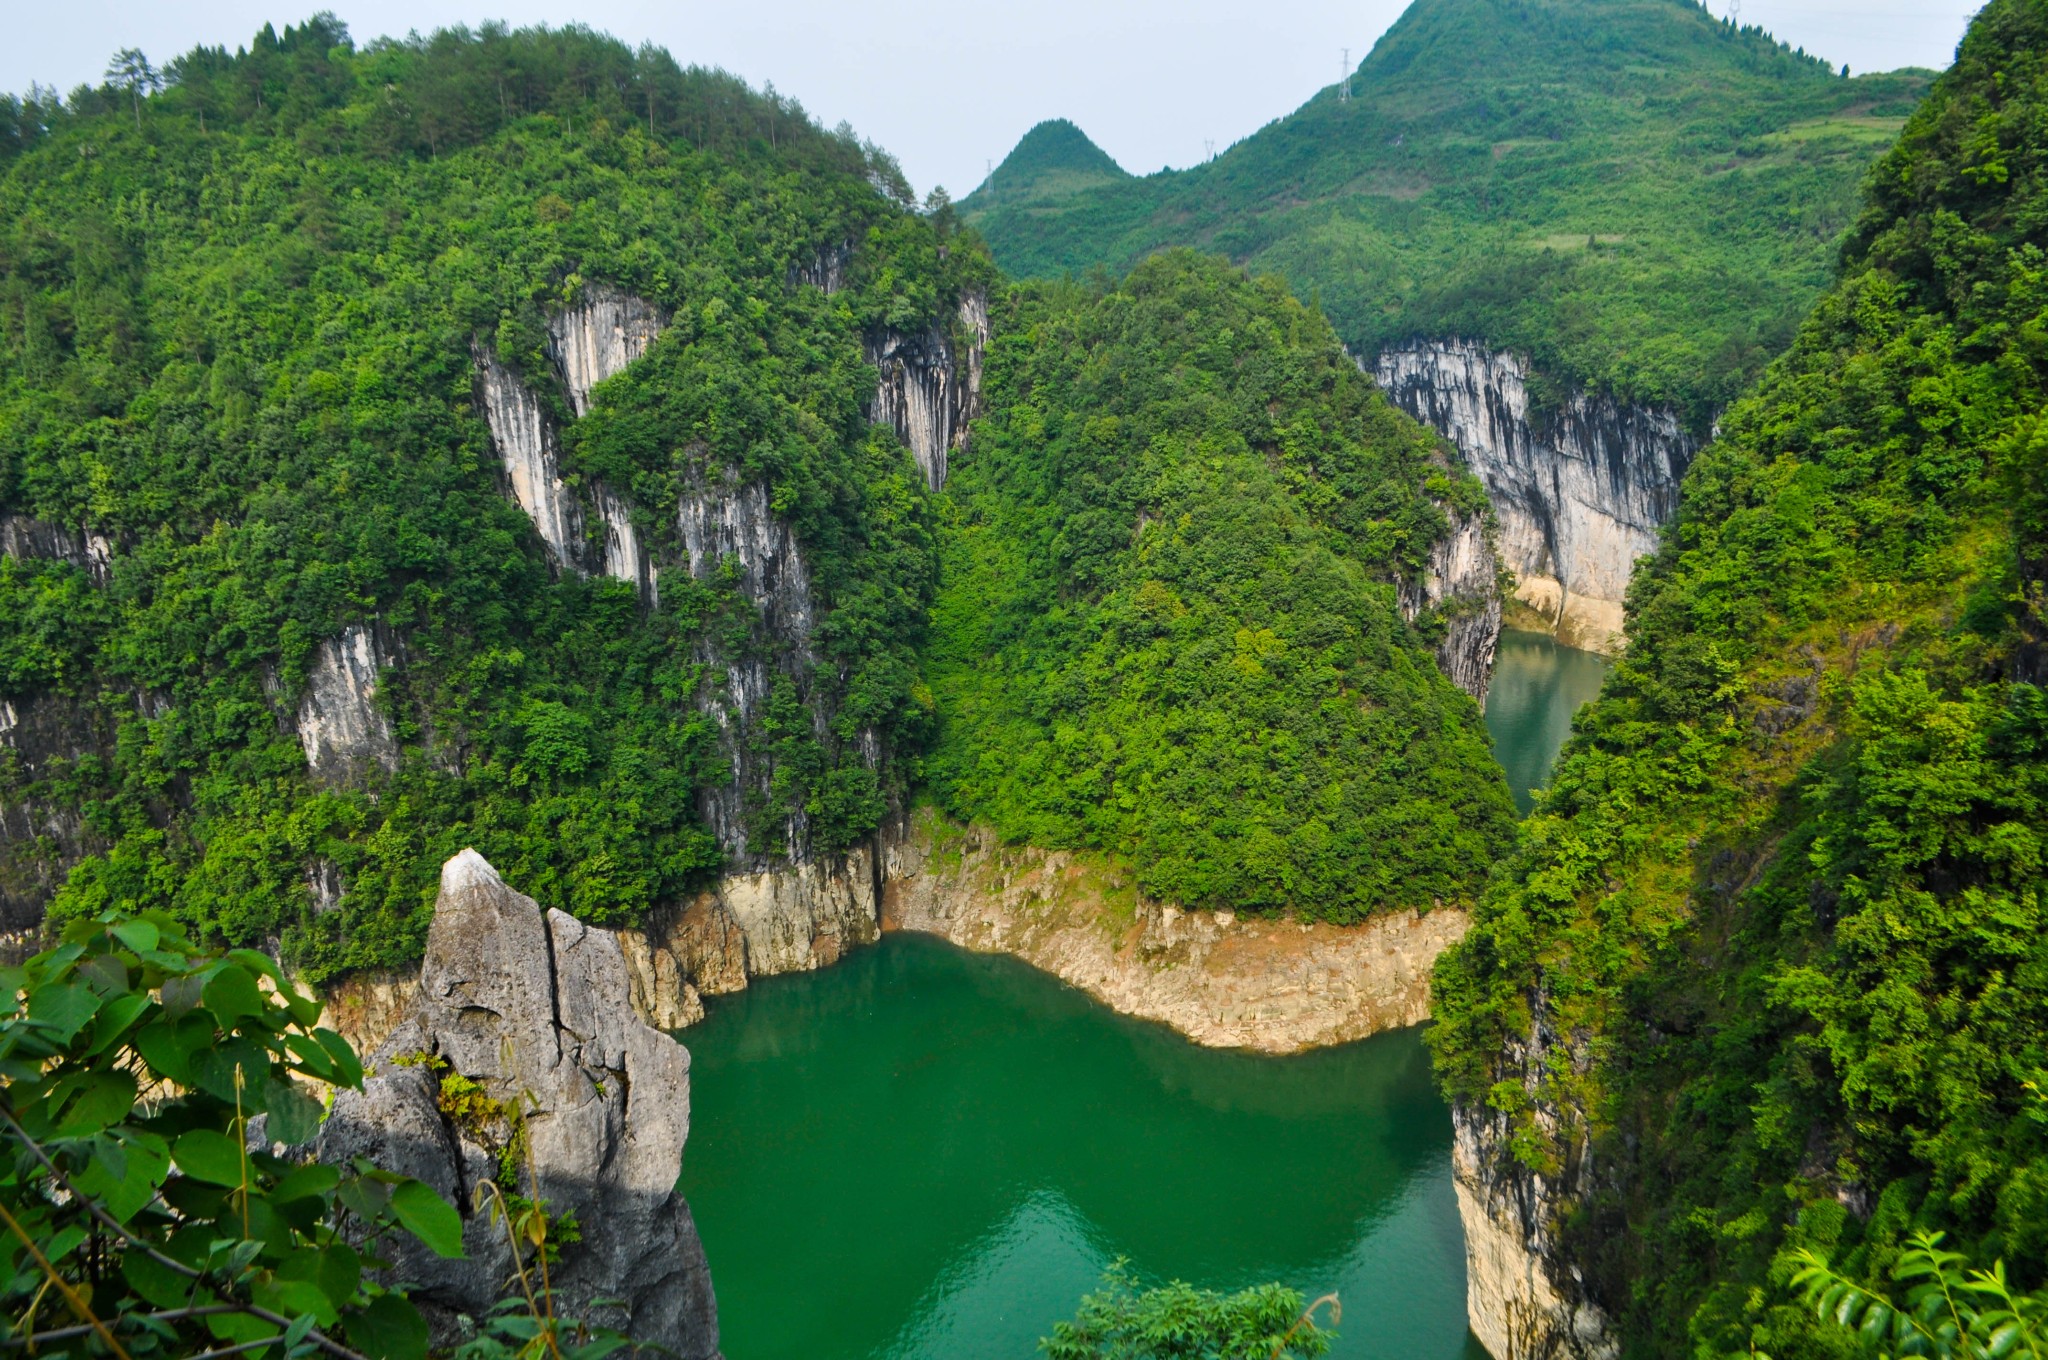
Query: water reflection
{"type": "Point", "coordinates": [1537, 687]}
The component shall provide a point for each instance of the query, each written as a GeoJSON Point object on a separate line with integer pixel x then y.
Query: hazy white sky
{"type": "Point", "coordinates": [947, 87]}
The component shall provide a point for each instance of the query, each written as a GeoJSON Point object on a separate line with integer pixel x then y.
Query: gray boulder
{"type": "Point", "coordinates": [533, 1008]}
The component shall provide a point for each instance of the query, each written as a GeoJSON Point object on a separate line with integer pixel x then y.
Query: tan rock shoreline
{"type": "Point", "coordinates": [1223, 981]}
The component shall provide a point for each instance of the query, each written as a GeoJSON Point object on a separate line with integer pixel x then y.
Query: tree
{"type": "Point", "coordinates": [130, 70]}
{"type": "Point", "coordinates": [1179, 1322]}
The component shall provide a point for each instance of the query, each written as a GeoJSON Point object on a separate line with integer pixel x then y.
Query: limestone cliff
{"type": "Point", "coordinates": [535, 1007]}
{"type": "Point", "coordinates": [1580, 490]}
{"type": "Point", "coordinates": [42, 835]}
{"type": "Point", "coordinates": [1523, 1298]}
{"type": "Point", "coordinates": [927, 392]}
{"type": "Point", "coordinates": [1462, 584]}
{"type": "Point", "coordinates": [343, 732]}
{"type": "Point", "coordinates": [24, 537]}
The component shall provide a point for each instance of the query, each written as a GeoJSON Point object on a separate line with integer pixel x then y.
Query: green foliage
{"type": "Point", "coordinates": [1168, 626]}
{"type": "Point", "coordinates": [140, 1217]}
{"type": "Point", "coordinates": [1179, 1322]}
{"type": "Point", "coordinates": [1782, 906]}
{"type": "Point", "coordinates": [238, 316]}
{"type": "Point", "coordinates": [1951, 1312]}
{"type": "Point", "coordinates": [1639, 195]}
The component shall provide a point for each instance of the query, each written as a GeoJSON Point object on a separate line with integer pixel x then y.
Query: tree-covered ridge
{"type": "Point", "coordinates": [239, 317]}
{"type": "Point", "coordinates": [1782, 909]}
{"type": "Point", "coordinates": [1636, 194]}
{"type": "Point", "coordinates": [1168, 625]}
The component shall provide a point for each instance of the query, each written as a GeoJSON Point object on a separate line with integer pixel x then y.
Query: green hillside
{"type": "Point", "coordinates": [243, 319]}
{"type": "Point", "coordinates": [1167, 624]}
{"type": "Point", "coordinates": [1781, 913]}
{"type": "Point", "coordinates": [1632, 191]}
{"type": "Point", "coordinates": [239, 319]}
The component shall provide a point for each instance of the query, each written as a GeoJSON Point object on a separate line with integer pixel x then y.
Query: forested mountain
{"type": "Point", "coordinates": [258, 519]}
{"type": "Point", "coordinates": [1170, 622]}
{"type": "Point", "coordinates": [511, 440]}
{"type": "Point", "coordinates": [1770, 966]}
{"type": "Point", "coordinates": [1634, 193]}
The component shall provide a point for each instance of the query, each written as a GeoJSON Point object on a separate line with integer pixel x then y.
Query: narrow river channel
{"type": "Point", "coordinates": [925, 1153]}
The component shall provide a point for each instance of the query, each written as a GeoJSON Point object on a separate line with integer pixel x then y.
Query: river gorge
{"type": "Point", "coordinates": [924, 1152]}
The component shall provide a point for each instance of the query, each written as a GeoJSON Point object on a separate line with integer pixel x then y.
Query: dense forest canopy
{"type": "Point", "coordinates": [1780, 916]}
{"type": "Point", "coordinates": [244, 304]}
{"type": "Point", "coordinates": [238, 319]}
{"type": "Point", "coordinates": [1168, 623]}
{"type": "Point", "coordinates": [1637, 194]}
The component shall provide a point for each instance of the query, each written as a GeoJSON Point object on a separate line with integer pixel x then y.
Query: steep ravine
{"type": "Point", "coordinates": [1580, 491]}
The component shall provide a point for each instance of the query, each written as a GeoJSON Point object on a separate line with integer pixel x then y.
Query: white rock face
{"type": "Point", "coordinates": [340, 727]}
{"type": "Point", "coordinates": [525, 440]}
{"type": "Point", "coordinates": [1580, 492]}
{"type": "Point", "coordinates": [921, 391]}
{"type": "Point", "coordinates": [806, 915]}
{"type": "Point", "coordinates": [23, 537]}
{"type": "Point", "coordinates": [594, 340]}
{"type": "Point", "coordinates": [1462, 581]}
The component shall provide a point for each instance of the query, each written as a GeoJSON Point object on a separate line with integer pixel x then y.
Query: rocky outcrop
{"type": "Point", "coordinates": [24, 537]}
{"type": "Point", "coordinates": [341, 729]}
{"type": "Point", "coordinates": [524, 437]}
{"type": "Point", "coordinates": [534, 1007]}
{"type": "Point", "coordinates": [1462, 585]}
{"type": "Point", "coordinates": [595, 339]}
{"type": "Point", "coordinates": [927, 393]}
{"type": "Point", "coordinates": [1524, 1299]}
{"type": "Point", "coordinates": [589, 342]}
{"type": "Point", "coordinates": [42, 835]}
{"type": "Point", "coordinates": [1274, 986]}
{"type": "Point", "coordinates": [1580, 490]}
{"type": "Point", "coordinates": [723, 520]}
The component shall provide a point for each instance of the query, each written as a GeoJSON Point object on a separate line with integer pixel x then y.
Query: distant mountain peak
{"type": "Point", "coordinates": [1053, 159]}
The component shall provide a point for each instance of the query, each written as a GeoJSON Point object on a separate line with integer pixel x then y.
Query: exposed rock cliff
{"type": "Point", "coordinates": [1276, 986]}
{"type": "Point", "coordinates": [924, 392]}
{"type": "Point", "coordinates": [340, 726]}
{"type": "Point", "coordinates": [1462, 583]}
{"type": "Point", "coordinates": [594, 340]}
{"type": "Point", "coordinates": [24, 537]}
{"type": "Point", "coordinates": [1580, 491]}
{"type": "Point", "coordinates": [42, 836]}
{"type": "Point", "coordinates": [534, 1006]}
{"type": "Point", "coordinates": [524, 437]}
{"type": "Point", "coordinates": [1523, 1299]}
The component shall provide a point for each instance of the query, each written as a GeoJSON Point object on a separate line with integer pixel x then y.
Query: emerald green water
{"type": "Point", "coordinates": [1537, 687]}
{"type": "Point", "coordinates": [924, 1153]}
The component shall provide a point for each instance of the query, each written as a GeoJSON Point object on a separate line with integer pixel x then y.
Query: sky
{"type": "Point", "coordinates": [950, 88]}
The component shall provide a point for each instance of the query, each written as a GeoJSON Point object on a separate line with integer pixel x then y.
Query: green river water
{"type": "Point", "coordinates": [924, 1153]}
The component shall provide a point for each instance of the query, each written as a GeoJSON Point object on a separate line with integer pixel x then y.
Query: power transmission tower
{"type": "Point", "coordinates": [1735, 12]}
{"type": "Point", "coordinates": [1344, 79]}
{"type": "Point", "coordinates": [1208, 149]}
